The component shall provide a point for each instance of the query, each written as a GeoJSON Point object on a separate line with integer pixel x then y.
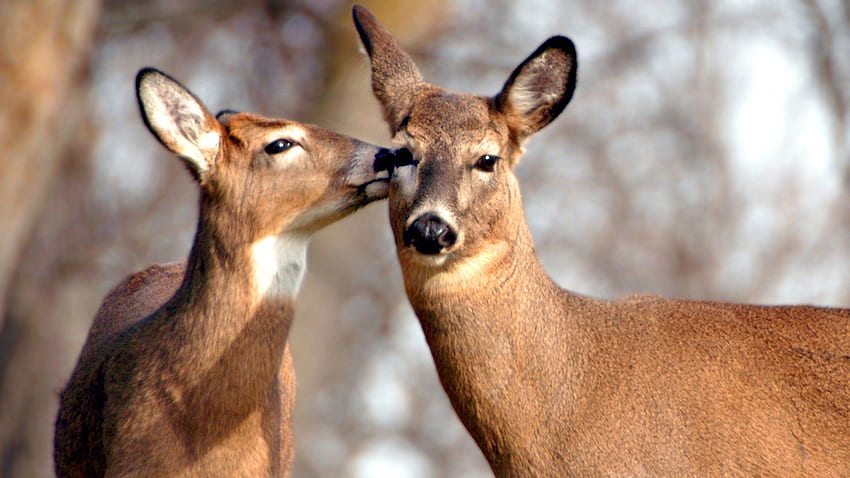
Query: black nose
{"type": "Point", "coordinates": [429, 234]}
{"type": "Point", "coordinates": [384, 161]}
{"type": "Point", "coordinates": [403, 157]}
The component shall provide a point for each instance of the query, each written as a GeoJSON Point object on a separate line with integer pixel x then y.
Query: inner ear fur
{"type": "Point", "coordinates": [179, 120]}
{"type": "Point", "coordinates": [539, 88]}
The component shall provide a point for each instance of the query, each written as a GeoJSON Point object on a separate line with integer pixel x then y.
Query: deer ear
{"type": "Point", "coordinates": [540, 87]}
{"type": "Point", "coordinates": [224, 116]}
{"type": "Point", "coordinates": [395, 77]}
{"type": "Point", "coordinates": [179, 120]}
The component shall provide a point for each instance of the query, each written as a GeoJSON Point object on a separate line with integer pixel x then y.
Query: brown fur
{"type": "Point", "coordinates": [135, 298]}
{"type": "Point", "coordinates": [186, 370]}
{"type": "Point", "coordinates": [553, 383]}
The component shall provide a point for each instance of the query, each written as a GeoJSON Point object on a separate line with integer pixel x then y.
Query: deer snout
{"type": "Point", "coordinates": [429, 234]}
{"type": "Point", "coordinates": [367, 172]}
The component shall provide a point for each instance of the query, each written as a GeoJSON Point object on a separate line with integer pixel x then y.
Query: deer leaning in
{"type": "Point", "coordinates": [553, 383]}
{"type": "Point", "coordinates": [186, 371]}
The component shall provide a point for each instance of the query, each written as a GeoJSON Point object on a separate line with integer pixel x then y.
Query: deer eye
{"type": "Point", "coordinates": [278, 146]}
{"type": "Point", "coordinates": [487, 162]}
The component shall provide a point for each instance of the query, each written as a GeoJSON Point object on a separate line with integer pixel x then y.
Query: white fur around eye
{"type": "Point", "coordinates": [488, 146]}
{"type": "Point", "coordinates": [405, 181]}
{"type": "Point", "coordinates": [296, 135]}
{"type": "Point", "coordinates": [292, 132]}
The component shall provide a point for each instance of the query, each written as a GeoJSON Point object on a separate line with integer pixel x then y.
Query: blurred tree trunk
{"type": "Point", "coordinates": [44, 46]}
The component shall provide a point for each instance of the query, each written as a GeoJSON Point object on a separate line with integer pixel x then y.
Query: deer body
{"type": "Point", "coordinates": [134, 299]}
{"type": "Point", "coordinates": [186, 370]}
{"type": "Point", "coordinates": [552, 383]}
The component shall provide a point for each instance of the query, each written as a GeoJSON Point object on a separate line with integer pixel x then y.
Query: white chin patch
{"type": "Point", "coordinates": [433, 260]}
{"type": "Point", "coordinates": [465, 272]}
{"type": "Point", "coordinates": [279, 266]}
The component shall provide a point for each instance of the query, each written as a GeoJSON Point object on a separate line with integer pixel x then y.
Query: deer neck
{"type": "Point", "coordinates": [506, 271]}
{"type": "Point", "coordinates": [230, 318]}
{"type": "Point", "coordinates": [491, 322]}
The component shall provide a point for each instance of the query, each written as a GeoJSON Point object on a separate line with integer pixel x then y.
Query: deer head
{"type": "Point", "coordinates": [453, 194]}
{"type": "Point", "coordinates": [267, 184]}
{"type": "Point", "coordinates": [273, 175]}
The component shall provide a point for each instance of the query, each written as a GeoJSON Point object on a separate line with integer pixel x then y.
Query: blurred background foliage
{"type": "Point", "coordinates": [704, 155]}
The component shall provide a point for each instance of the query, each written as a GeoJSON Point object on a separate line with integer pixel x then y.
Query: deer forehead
{"type": "Point", "coordinates": [462, 124]}
{"type": "Point", "coordinates": [446, 112]}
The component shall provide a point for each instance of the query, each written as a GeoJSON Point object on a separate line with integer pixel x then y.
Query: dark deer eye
{"type": "Point", "coordinates": [487, 162]}
{"type": "Point", "coordinates": [278, 146]}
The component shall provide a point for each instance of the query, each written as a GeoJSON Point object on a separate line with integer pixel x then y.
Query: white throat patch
{"type": "Point", "coordinates": [279, 266]}
{"type": "Point", "coordinates": [464, 273]}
